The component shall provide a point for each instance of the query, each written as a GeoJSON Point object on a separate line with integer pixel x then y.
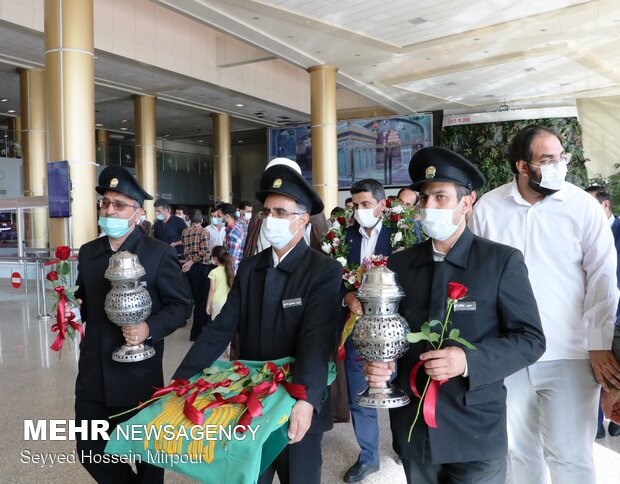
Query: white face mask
{"type": "Point", "coordinates": [276, 231]}
{"type": "Point", "coordinates": [247, 215]}
{"type": "Point", "coordinates": [366, 217]}
{"type": "Point", "coordinates": [437, 222]}
{"type": "Point", "coordinates": [553, 176]}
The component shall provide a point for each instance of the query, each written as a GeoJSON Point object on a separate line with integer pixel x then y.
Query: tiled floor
{"type": "Point", "coordinates": [38, 384]}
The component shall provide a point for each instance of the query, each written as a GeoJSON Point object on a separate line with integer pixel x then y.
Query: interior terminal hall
{"type": "Point", "coordinates": [194, 98]}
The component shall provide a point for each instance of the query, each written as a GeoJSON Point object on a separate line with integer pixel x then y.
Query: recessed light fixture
{"type": "Point", "coordinates": [291, 36]}
{"type": "Point", "coordinates": [255, 18]}
{"type": "Point", "coordinates": [99, 125]}
{"type": "Point", "coordinates": [123, 120]}
{"type": "Point", "coordinates": [428, 58]}
{"type": "Point", "coordinates": [239, 105]}
{"type": "Point", "coordinates": [4, 99]}
{"type": "Point", "coordinates": [529, 69]}
{"type": "Point", "coordinates": [123, 129]}
{"type": "Point", "coordinates": [166, 135]}
{"type": "Point", "coordinates": [11, 110]}
{"type": "Point", "coordinates": [240, 141]}
{"type": "Point", "coordinates": [451, 83]}
{"type": "Point", "coordinates": [476, 38]}
{"type": "Point", "coordinates": [318, 52]}
{"type": "Point", "coordinates": [358, 55]}
{"type": "Point", "coordinates": [201, 141]}
{"type": "Point", "coordinates": [543, 30]}
{"type": "Point", "coordinates": [417, 21]}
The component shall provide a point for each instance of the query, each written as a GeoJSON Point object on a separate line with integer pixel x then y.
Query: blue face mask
{"type": "Point", "coordinates": [160, 216]}
{"type": "Point", "coordinates": [115, 228]}
{"type": "Point", "coordinates": [237, 214]}
{"type": "Point", "coordinates": [216, 220]}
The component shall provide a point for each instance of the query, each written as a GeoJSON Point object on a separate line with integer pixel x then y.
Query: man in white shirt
{"type": "Point", "coordinates": [366, 238]}
{"type": "Point", "coordinates": [569, 252]}
{"type": "Point", "coordinates": [217, 234]}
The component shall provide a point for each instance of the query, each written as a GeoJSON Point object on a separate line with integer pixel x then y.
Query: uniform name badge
{"type": "Point", "coordinates": [465, 306]}
{"type": "Point", "coordinates": [291, 303]}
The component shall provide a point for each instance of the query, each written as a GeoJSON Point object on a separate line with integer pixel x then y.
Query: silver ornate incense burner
{"type": "Point", "coordinates": [128, 303]}
{"type": "Point", "coordinates": [381, 333]}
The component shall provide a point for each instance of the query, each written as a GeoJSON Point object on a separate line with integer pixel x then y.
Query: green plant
{"type": "Point", "coordinates": [612, 183]}
{"type": "Point", "coordinates": [486, 145]}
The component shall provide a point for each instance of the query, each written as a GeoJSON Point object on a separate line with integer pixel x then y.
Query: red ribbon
{"type": "Point", "coordinates": [62, 321]}
{"type": "Point", "coordinates": [430, 398]}
{"type": "Point", "coordinates": [251, 399]}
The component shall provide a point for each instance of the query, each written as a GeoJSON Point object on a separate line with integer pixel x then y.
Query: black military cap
{"type": "Point", "coordinates": [284, 179]}
{"type": "Point", "coordinates": [118, 179]}
{"type": "Point", "coordinates": [436, 164]}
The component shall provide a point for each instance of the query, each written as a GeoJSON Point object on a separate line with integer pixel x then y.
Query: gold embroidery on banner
{"type": "Point", "coordinates": [202, 449]}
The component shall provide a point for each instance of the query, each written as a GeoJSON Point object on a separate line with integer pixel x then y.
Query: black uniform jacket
{"type": "Point", "coordinates": [100, 379]}
{"type": "Point", "coordinates": [505, 328]}
{"type": "Point", "coordinates": [290, 310]}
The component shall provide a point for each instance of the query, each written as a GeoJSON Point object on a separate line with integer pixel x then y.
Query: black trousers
{"type": "Point", "coordinates": [491, 471]}
{"type": "Point", "coordinates": [198, 278]}
{"type": "Point", "coordinates": [89, 450]}
{"type": "Point", "coordinates": [298, 463]}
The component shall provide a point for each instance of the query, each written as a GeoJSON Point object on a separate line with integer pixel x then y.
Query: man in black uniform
{"type": "Point", "coordinates": [500, 317]}
{"type": "Point", "coordinates": [285, 301]}
{"type": "Point", "coordinates": [105, 387]}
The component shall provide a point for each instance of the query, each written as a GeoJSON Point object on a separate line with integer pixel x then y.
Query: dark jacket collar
{"type": "Point", "coordinates": [457, 255]}
{"type": "Point", "coordinates": [130, 243]}
{"type": "Point", "coordinates": [289, 262]}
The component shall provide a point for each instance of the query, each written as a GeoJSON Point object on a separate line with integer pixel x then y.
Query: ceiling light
{"type": "Point", "coordinates": [99, 125]}
{"type": "Point", "coordinates": [476, 38]}
{"type": "Point", "coordinates": [428, 58]}
{"type": "Point", "coordinates": [11, 110]}
{"type": "Point", "coordinates": [529, 69]}
{"type": "Point", "coordinates": [318, 52]}
{"type": "Point", "coordinates": [4, 99]}
{"type": "Point", "coordinates": [504, 107]}
{"type": "Point", "coordinates": [543, 30]}
{"type": "Point", "coordinates": [166, 135]}
{"type": "Point", "coordinates": [451, 83]}
{"type": "Point", "coordinates": [123, 129]}
{"type": "Point", "coordinates": [256, 18]}
{"type": "Point", "coordinates": [240, 141]}
{"type": "Point", "coordinates": [201, 141]}
{"type": "Point", "coordinates": [291, 36]}
{"type": "Point", "coordinates": [358, 55]}
{"type": "Point", "coordinates": [123, 120]}
{"type": "Point", "coordinates": [417, 21]}
{"type": "Point", "coordinates": [239, 105]}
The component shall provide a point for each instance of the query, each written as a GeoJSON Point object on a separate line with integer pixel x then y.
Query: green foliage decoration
{"type": "Point", "coordinates": [487, 145]}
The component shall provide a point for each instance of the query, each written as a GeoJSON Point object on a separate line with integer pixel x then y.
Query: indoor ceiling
{"type": "Point", "coordinates": [404, 56]}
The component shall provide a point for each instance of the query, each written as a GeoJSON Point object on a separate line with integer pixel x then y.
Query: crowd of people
{"type": "Point", "coordinates": [538, 259]}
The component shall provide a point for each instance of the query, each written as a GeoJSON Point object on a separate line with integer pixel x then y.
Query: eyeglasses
{"type": "Point", "coordinates": [277, 213]}
{"type": "Point", "coordinates": [564, 159]}
{"type": "Point", "coordinates": [118, 205]}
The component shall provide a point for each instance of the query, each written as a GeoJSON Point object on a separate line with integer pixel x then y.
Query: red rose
{"type": "Point", "coordinates": [456, 291]}
{"type": "Point", "coordinates": [341, 220]}
{"type": "Point", "coordinates": [388, 203]}
{"type": "Point", "coordinates": [63, 252]}
{"type": "Point", "coordinates": [242, 370]}
{"type": "Point", "coordinates": [52, 276]}
{"type": "Point", "coordinates": [396, 217]}
{"type": "Point", "coordinates": [331, 235]}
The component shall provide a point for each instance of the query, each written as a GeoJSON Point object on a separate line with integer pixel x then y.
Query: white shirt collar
{"type": "Point", "coordinates": [375, 230]}
{"type": "Point", "coordinates": [276, 261]}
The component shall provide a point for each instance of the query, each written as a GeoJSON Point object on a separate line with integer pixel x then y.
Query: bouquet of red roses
{"type": "Point", "coordinates": [67, 322]}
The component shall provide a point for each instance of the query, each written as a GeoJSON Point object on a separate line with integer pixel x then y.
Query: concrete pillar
{"type": "Point", "coordinates": [146, 148]}
{"type": "Point", "coordinates": [70, 95]}
{"type": "Point", "coordinates": [222, 158]}
{"type": "Point", "coordinates": [324, 134]}
{"type": "Point", "coordinates": [103, 139]}
{"type": "Point", "coordinates": [34, 148]}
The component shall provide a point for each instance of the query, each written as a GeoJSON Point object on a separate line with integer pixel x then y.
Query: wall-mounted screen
{"type": "Point", "coordinates": [59, 189]}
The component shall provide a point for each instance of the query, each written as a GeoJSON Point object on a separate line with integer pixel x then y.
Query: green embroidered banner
{"type": "Point", "coordinates": [220, 446]}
